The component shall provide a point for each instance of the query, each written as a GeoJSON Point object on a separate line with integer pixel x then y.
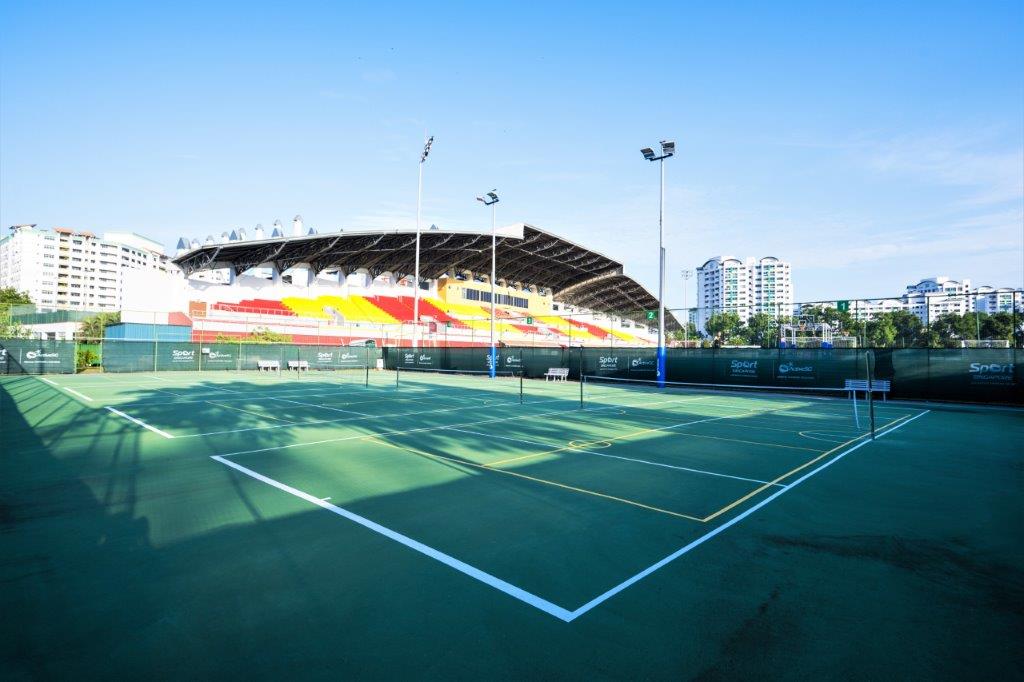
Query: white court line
{"type": "Point", "coordinates": [140, 422]}
{"type": "Point", "coordinates": [544, 605]}
{"type": "Point", "coordinates": [473, 572]}
{"type": "Point", "coordinates": [371, 416]}
{"type": "Point", "coordinates": [631, 459]}
{"type": "Point", "coordinates": [406, 431]}
{"type": "Point", "coordinates": [322, 407]}
{"type": "Point", "coordinates": [289, 391]}
{"type": "Point", "coordinates": [69, 390]}
{"type": "Point", "coordinates": [728, 524]}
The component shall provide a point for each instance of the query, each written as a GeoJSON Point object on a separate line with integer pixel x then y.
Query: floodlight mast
{"type": "Point", "coordinates": [416, 277]}
{"type": "Point", "coordinates": [491, 199]}
{"type": "Point", "coordinates": [668, 149]}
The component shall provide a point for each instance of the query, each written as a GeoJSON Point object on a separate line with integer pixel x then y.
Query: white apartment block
{"type": "Point", "coordinates": [748, 287]}
{"type": "Point", "coordinates": [76, 270]}
{"type": "Point", "coordinates": [991, 300]}
{"type": "Point", "coordinates": [935, 296]}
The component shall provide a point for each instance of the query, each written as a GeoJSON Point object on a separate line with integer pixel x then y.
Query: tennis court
{"type": "Point", "coordinates": [636, 528]}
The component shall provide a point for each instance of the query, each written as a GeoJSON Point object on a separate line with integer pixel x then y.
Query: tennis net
{"type": "Point", "coordinates": [613, 390]}
{"type": "Point", "coordinates": [346, 374]}
{"type": "Point", "coordinates": [446, 379]}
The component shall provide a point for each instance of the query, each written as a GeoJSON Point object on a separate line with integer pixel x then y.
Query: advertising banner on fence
{"type": "Point", "coordinates": [219, 357]}
{"type": "Point", "coordinates": [423, 358]}
{"type": "Point", "coordinates": [177, 356]}
{"type": "Point", "coordinates": [28, 356]}
{"type": "Point", "coordinates": [796, 371]}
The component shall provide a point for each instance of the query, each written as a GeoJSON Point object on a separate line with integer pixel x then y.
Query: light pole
{"type": "Point", "coordinates": [491, 199]}
{"type": "Point", "coordinates": [687, 274]}
{"type": "Point", "coordinates": [416, 277]}
{"type": "Point", "coordinates": [668, 149]}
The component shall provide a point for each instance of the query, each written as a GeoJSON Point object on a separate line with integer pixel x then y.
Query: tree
{"type": "Point", "coordinates": [881, 332]}
{"type": "Point", "coordinates": [838, 319]}
{"type": "Point", "coordinates": [728, 326]}
{"type": "Point", "coordinates": [93, 329]}
{"type": "Point", "coordinates": [997, 326]}
{"type": "Point", "coordinates": [10, 296]}
{"type": "Point", "coordinates": [909, 328]}
{"type": "Point", "coordinates": [261, 335]}
{"type": "Point", "coordinates": [761, 330]}
{"type": "Point", "coordinates": [951, 328]}
{"type": "Point", "coordinates": [690, 334]}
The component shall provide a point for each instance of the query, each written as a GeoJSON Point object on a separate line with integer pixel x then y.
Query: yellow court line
{"type": "Point", "coordinates": [537, 480]}
{"type": "Point", "coordinates": [587, 444]}
{"type": "Point", "coordinates": [238, 409]}
{"type": "Point", "coordinates": [579, 446]}
{"type": "Point", "coordinates": [790, 473]}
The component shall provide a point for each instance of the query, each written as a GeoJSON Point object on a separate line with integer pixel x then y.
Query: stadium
{"type": "Point", "coordinates": [357, 287]}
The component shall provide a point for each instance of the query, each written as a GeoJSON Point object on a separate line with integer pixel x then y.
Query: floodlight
{"type": "Point", "coordinates": [648, 153]}
{"type": "Point", "coordinates": [426, 149]}
{"type": "Point", "coordinates": [488, 198]}
{"type": "Point", "coordinates": [668, 147]}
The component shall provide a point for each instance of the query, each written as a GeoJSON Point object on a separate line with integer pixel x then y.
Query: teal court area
{"type": "Point", "coordinates": [446, 524]}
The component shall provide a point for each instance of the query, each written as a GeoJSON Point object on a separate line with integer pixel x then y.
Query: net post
{"type": "Point", "coordinates": [583, 379]}
{"type": "Point", "coordinates": [366, 382]}
{"type": "Point", "coordinates": [520, 381]}
{"type": "Point", "coordinates": [397, 368]}
{"type": "Point", "coordinates": [870, 360]}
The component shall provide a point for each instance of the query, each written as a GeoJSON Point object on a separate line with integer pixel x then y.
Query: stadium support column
{"type": "Point", "coordinates": [416, 277]}
{"type": "Point", "coordinates": [668, 149]}
{"type": "Point", "coordinates": [490, 199]}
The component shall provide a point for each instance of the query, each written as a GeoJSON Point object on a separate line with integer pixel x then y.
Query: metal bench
{"type": "Point", "coordinates": [299, 365]}
{"type": "Point", "coordinates": [556, 374]}
{"type": "Point", "coordinates": [268, 365]}
{"type": "Point", "coordinates": [882, 386]}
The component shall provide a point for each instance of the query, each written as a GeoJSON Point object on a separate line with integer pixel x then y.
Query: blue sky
{"type": "Point", "coordinates": [870, 144]}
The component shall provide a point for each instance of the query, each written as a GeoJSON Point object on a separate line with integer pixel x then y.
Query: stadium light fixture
{"type": "Point", "coordinates": [668, 150]}
{"type": "Point", "coordinates": [491, 199]}
{"type": "Point", "coordinates": [416, 277]}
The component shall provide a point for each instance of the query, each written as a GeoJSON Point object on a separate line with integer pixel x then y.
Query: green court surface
{"type": "Point", "coordinates": [348, 524]}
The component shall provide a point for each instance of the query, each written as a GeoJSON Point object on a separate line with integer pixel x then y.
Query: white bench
{"type": "Point", "coordinates": [882, 386]}
{"type": "Point", "coordinates": [299, 365]}
{"type": "Point", "coordinates": [556, 374]}
{"type": "Point", "coordinates": [268, 365]}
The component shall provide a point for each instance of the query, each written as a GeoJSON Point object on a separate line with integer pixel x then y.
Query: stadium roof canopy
{"type": "Point", "coordinates": [525, 255]}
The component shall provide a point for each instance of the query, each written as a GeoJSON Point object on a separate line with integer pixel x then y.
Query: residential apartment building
{"type": "Point", "coordinates": [936, 296]}
{"type": "Point", "coordinates": [69, 269]}
{"type": "Point", "coordinates": [747, 287]}
{"type": "Point", "coordinates": [988, 299]}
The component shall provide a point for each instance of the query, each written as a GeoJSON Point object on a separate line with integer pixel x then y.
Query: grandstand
{"type": "Point", "coordinates": [357, 287]}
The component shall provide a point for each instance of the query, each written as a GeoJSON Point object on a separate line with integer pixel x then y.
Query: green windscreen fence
{"type": "Point", "coordinates": [980, 375]}
{"type": "Point", "coordinates": [31, 356]}
{"type": "Point", "coordinates": [969, 375]}
{"type": "Point", "coordinates": [169, 356]}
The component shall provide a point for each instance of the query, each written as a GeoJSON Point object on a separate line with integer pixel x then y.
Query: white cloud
{"type": "Point", "coordinates": [987, 175]}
